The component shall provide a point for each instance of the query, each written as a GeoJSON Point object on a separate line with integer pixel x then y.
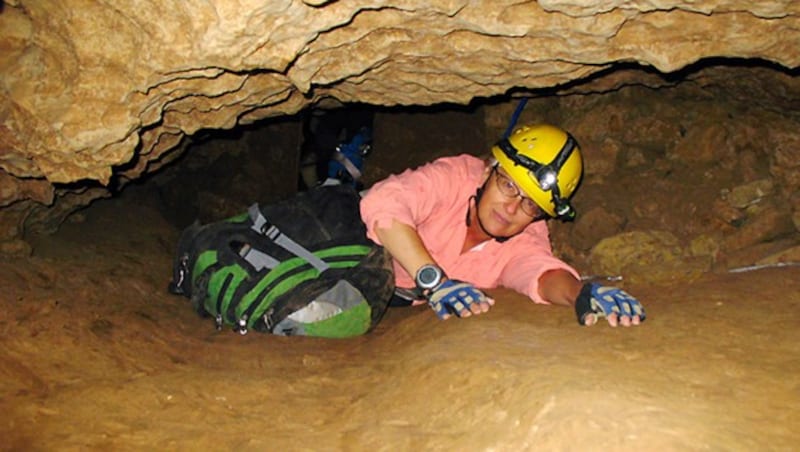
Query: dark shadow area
{"type": "Point", "coordinates": [221, 172]}
{"type": "Point", "coordinates": [589, 84]}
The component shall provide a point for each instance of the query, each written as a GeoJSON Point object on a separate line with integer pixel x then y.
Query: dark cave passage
{"type": "Point", "coordinates": [705, 154]}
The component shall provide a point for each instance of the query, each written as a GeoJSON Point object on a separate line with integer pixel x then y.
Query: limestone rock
{"type": "Point", "coordinates": [768, 223]}
{"type": "Point", "coordinates": [16, 247]}
{"type": "Point", "coordinates": [762, 253]}
{"type": "Point", "coordinates": [612, 254]}
{"type": "Point", "coordinates": [746, 195]}
{"type": "Point", "coordinates": [91, 90]}
{"type": "Point", "coordinates": [593, 226]}
{"type": "Point", "coordinates": [646, 257]}
{"type": "Point", "coordinates": [80, 103]}
{"type": "Point", "coordinates": [794, 204]}
{"type": "Point", "coordinates": [785, 161]}
{"type": "Point", "coordinates": [705, 144]}
{"type": "Point", "coordinates": [705, 245]}
{"type": "Point", "coordinates": [789, 255]}
{"type": "Point", "coordinates": [727, 214]}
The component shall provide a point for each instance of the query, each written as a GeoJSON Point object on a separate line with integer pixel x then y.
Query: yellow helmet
{"type": "Point", "coordinates": [545, 162]}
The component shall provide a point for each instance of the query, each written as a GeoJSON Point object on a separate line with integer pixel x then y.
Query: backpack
{"type": "Point", "coordinates": [301, 266]}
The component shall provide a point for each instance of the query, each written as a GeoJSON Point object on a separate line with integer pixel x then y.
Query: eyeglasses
{"type": "Point", "coordinates": [509, 189]}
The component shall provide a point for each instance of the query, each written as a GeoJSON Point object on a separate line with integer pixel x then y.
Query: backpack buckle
{"type": "Point", "coordinates": [241, 325]}
{"type": "Point", "coordinates": [268, 319]}
{"type": "Point", "coordinates": [179, 276]}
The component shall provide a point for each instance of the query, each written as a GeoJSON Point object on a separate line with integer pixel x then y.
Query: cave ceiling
{"type": "Point", "coordinates": [93, 89]}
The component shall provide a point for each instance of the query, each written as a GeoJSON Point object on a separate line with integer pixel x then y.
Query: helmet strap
{"type": "Point", "coordinates": [563, 209]}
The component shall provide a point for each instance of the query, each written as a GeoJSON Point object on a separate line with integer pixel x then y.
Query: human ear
{"type": "Point", "coordinates": [486, 173]}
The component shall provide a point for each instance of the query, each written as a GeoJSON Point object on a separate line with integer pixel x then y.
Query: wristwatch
{"type": "Point", "coordinates": [428, 278]}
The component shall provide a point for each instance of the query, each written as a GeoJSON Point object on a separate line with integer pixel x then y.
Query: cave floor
{"type": "Point", "coordinates": [97, 355]}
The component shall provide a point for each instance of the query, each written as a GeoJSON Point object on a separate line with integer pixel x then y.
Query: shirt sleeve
{"type": "Point", "coordinates": [523, 270]}
{"type": "Point", "coordinates": [412, 196]}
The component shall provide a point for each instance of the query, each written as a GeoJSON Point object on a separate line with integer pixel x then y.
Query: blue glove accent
{"type": "Point", "coordinates": [354, 151]}
{"type": "Point", "coordinates": [454, 297]}
{"type": "Point", "coordinates": [603, 301]}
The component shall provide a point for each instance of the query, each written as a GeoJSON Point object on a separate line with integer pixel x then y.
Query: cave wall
{"type": "Point", "coordinates": [682, 176]}
{"type": "Point", "coordinates": [686, 176]}
{"type": "Point", "coordinates": [95, 95]}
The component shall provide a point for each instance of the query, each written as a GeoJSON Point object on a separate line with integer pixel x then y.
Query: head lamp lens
{"type": "Point", "coordinates": [546, 178]}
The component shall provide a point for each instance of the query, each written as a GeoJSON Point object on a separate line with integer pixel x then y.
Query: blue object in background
{"type": "Point", "coordinates": [355, 150]}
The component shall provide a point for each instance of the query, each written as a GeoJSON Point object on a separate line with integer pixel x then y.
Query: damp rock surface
{"type": "Point", "coordinates": [98, 355]}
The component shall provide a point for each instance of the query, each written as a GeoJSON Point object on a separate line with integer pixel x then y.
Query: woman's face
{"type": "Point", "coordinates": [503, 211]}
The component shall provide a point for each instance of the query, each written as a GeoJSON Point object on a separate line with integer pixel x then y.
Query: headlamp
{"type": "Point", "coordinates": [545, 174]}
{"type": "Point", "coordinates": [546, 177]}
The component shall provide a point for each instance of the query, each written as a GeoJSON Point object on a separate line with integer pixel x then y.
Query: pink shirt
{"type": "Point", "coordinates": [434, 199]}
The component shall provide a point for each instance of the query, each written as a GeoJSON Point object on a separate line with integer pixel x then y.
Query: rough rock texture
{"type": "Point", "coordinates": [106, 92]}
{"type": "Point", "coordinates": [97, 356]}
{"type": "Point", "coordinates": [651, 257]}
{"type": "Point", "coordinates": [712, 159]}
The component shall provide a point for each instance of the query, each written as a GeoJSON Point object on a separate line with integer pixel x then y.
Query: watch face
{"type": "Point", "coordinates": [428, 277]}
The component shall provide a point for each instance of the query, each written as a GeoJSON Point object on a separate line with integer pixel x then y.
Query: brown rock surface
{"type": "Point", "coordinates": [90, 91]}
{"type": "Point", "coordinates": [676, 104]}
{"type": "Point", "coordinates": [101, 357]}
{"type": "Point", "coordinates": [647, 257]}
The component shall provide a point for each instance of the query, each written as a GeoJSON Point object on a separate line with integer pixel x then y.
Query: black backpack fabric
{"type": "Point", "coordinates": [301, 266]}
